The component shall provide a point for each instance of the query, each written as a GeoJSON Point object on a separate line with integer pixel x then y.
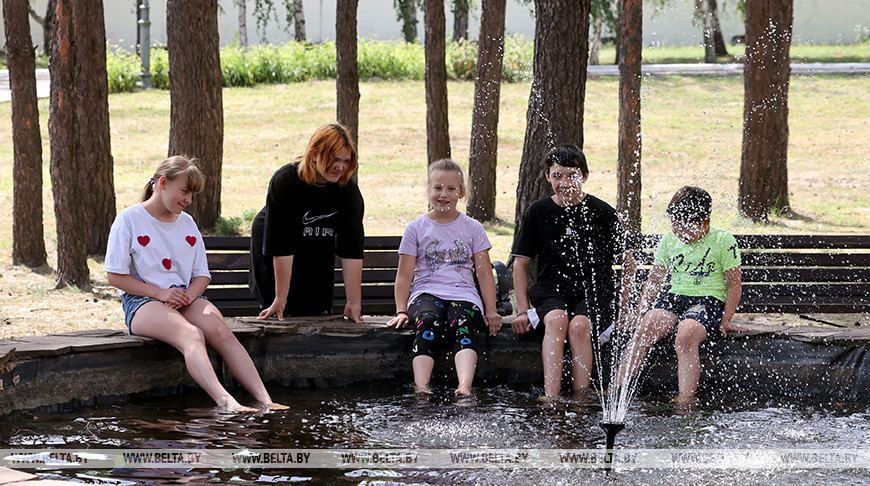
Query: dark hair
{"type": "Point", "coordinates": [690, 204]}
{"type": "Point", "coordinates": [566, 155]}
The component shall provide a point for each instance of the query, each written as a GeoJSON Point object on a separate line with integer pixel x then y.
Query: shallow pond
{"type": "Point", "coordinates": [386, 416]}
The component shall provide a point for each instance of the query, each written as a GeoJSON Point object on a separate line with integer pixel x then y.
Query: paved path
{"type": "Point", "coordinates": [696, 69]}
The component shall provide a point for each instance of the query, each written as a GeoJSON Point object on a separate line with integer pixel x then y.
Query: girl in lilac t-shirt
{"type": "Point", "coordinates": [438, 257]}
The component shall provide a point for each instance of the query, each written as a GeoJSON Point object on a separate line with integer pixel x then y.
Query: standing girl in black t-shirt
{"type": "Point", "coordinates": [313, 212]}
{"type": "Point", "coordinates": [577, 240]}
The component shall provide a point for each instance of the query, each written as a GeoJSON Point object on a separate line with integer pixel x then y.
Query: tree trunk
{"type": "Point", "coordinates": [460, 20]}
{"type": "Point", "coordinates": [46, 22]}
{"type": "Point", "coordinates": [243, 22]}
{"type": "Point", "coordinates": [596, 41]}
{"type": "Point", "coordinates": [718, 39]}
{"type": "Point", "coordinates": [407, 13]}
{"type": "Point", "coordinates": [96, 174]}
{"type": "Point", "coordinates": [483, 151]}
{"type": "Point", "coordinates": [347, 73]}
{"type": "Point", "coordinates": [628, 164]}
{"type": "Point", "coordinates": [69, 211]}
{"type": "Point", "coordinates": [196, 116]}
{"type": "Point", "coordinates": [28, 244]}
{"type": "Point", "coordinates": [714, 44]}
{"type": "Point", "coordinates": [763, 184]}
{"type": "Point", "coordinates": [437, 130]}
{"type": "Point", "coordinates": [555, 114]}
{"type": "Point", "coordinates": [299, 21]}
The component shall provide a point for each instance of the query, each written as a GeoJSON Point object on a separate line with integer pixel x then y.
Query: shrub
{"type": "Point", "coordinates": [296, 62]}
{"type": "Point", "coordinates": [123, 70]}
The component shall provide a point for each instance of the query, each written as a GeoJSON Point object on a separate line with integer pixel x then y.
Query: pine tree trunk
{"type": "Point", "coordinates": [28, 244]}
{"type": "Point", "coordinates": [69, 211]}
{"type": "Point", "coordinates": [628, 164]}
{"type": "Point", "coordinates": [299, 21]}
{"type": "Point", "coordinates": [460, 20]}
{"type": "Point", "coordinates": [243, 22]}
{"type": "Point", "coordinates": [483, 151]}
{"type": "Point", "coordinates": [555, 114]}
{"type": "Point", "coordinates": [347, 73]}
{"type": "Point", "coordinates": [196, 115]}
{"type": "Point", "coordinates": [96, 174]}
{"type": "Point", "coordinates": [437, 130]}
{"type": "Point", "coordinates": [763, 181]}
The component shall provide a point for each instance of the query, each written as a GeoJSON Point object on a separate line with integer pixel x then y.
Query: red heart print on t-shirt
{"type": "Point", "coordinates": [167, 263]}
{"type": "Point", "coordinates": [143, 240]}
{"type": "Point", "coordinates": [191, 240]}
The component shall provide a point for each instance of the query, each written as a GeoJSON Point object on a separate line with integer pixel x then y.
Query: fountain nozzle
{"type": "Point", "coordinates": [610, 431]}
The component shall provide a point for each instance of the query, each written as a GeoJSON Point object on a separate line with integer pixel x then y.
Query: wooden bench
{"type": "Point", "coordinates": [796, 273]}
{"type": "Point", "coordinates": [229, 258]}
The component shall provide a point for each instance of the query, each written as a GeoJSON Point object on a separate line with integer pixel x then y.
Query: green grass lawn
{"type": "Point", "coordinates": [691, 135]}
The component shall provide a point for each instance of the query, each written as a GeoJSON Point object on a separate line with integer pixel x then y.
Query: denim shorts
{"type": "Point", "coordinates": [131, 303]}
{"type": "Point", "coordinates": [706, 310]}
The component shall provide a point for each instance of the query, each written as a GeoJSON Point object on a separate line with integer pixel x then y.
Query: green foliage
{"type": "Point", "coordinates": [461, 59]}
{"type": "Point", "coordinates": [296, 62]}
{"type": "Point", "coordinates": [123, 69]}
{"type": "Point", "coordinates": [159, 67]}
{"type": "Point", "coordinates": [228, 226]}
{"type": "Point", "coordinates": [390, 60]}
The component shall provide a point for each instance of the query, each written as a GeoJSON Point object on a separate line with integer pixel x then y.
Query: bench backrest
{"type": "Point", "coordinates": [798, 273]}
{"type": "Point", "coordinates": [229, 258]}
{"type": "Point", "coordinates": [781, 273]}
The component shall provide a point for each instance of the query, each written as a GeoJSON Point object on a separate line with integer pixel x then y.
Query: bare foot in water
{"type": "Point", "coordinates": [463, 390]}
{"type": "Point", "coordinates": [424, 389]}
{"type": "Point", "coordinates": [275, 406]}
{"type": "Point", "coordinates": [546, 399]}
{"type": "Point", "coordinates": [683, 399]}
{"type": "Point", "coordinates": [237, 408]}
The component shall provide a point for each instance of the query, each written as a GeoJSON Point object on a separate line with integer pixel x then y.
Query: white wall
{"type": "Point", "coordinates": [820, 21]}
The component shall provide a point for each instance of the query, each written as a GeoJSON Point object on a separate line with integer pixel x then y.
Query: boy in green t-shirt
{"type": "Point", "coordinates": [704, 265]}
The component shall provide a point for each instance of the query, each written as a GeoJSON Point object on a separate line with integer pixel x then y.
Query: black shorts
{"type": "Point", "coordinates": [439, 322]}
{"type": "Point", "coordinates": [706, 310]}
{"type": "Point", "coordinates": [545, 300]}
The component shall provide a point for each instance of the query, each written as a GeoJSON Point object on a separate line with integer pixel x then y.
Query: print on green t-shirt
{"type": "Point", "coordinates": [698, 269]}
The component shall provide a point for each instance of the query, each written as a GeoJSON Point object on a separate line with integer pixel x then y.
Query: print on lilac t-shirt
{"type": "Point", "coordinates": [445, 257]}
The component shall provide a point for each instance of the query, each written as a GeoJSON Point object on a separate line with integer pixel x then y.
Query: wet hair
{"type": "Point", "coordinates": [566, 155]}
{"type": "Point", "coordinates": [446, 165]}
{"type": "Point", "coordinates": [174, 167]}
{"type": "Point", "coordinates": [328, 140]}
{"type": "Point", "coordinates": [690, 204]}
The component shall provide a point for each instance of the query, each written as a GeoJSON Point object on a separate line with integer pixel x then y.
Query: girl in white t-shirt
{"type": "Point", "coordinates": [438, 257]}
{"type": "Point", "coordinates": [156, 257]}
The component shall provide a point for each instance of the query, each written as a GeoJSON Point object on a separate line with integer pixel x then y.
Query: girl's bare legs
{"type": "Point", "coordinates": [466, 363]}
{"type": "Point", "coordinates": [690, 335]}
{"type": "Point", "coordinates": [156, 320]}
{"type": "Point", "coordinates": [553, 350]}
{"type": "Point", "coordinates": [423, 366]}
{"type": "Point", "coordinates": [655, 325]}
{"type": "Point", "coordinates": [205, 316]}
{"type": "Point", "coordinates": [580, 340]}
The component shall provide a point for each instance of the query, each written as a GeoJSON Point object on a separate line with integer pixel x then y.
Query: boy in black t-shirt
{"type": "Point", "coordinates": [577, 240]}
